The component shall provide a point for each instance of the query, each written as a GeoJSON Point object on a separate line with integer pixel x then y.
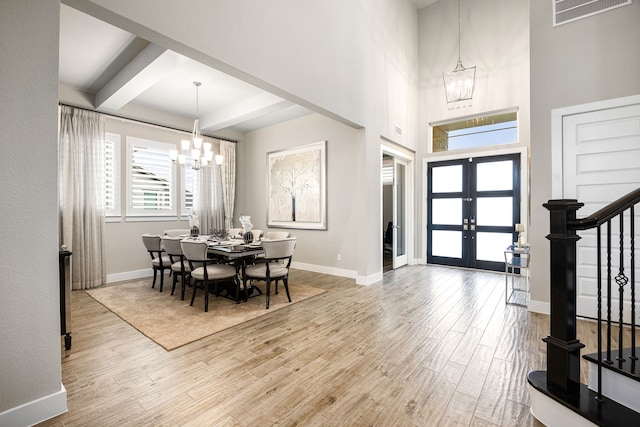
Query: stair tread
{"type": "Point", "coordinates": [608, 413]}
{"type": "Point", "coordinates": [627, 367]}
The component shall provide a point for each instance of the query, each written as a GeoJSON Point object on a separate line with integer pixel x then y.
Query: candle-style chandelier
{"type": "Point", "coordinates": [194, 152]}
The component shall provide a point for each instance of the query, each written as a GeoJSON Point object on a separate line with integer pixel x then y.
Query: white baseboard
{"type": "Point", "coordinates": [341, 272]}
{"type": "Point", "coordinates": [324, 270]}
{"type": "Point", "coordinates": [539, 307]}
{"type": "Point", "coordinates": [552, 414]}
{"type": "Point", "coordinates": [36, 411]}
{"type": "Point", "coordinates": [369, 280]}
{"type": "Point", "coordinates": [129, 275]}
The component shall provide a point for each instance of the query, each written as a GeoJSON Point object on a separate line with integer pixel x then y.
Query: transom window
{"type": "Point", "coordinates": [476, 132]}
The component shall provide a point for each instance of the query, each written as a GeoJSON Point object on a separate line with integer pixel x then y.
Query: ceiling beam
{"type": "Point", "coordinates": [249, 109]}
{"type": "Point", "coordinates": [146, 69]}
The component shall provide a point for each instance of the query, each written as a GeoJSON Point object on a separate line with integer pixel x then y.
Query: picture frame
{"type": "Point", "coordinates": [296, 187]}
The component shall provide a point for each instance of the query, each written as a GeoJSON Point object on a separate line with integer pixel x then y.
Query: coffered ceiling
{"type": "Point", "coordinates": [114, 69]}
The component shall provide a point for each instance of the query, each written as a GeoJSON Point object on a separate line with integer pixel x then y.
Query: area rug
{"type": "Point", "coordinates": [172, 323]}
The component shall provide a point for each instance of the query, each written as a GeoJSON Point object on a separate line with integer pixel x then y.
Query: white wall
{"type": "Point", "coordinates": [495, 38]}
{"type": "Point", "coordinates": [353, 61]}
{"type": "Point", "coordinates": [29, 307]}
{"type": "Point", "coordinates": [592, 59]}
{"type": "Point", "coordinates": [317, 249]}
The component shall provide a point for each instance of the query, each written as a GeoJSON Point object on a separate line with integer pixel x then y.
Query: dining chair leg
{"type": "Point", "coordinates": [268, 292]}
{"type": "Point", "coordinates": [161, 279]}
{"type": "Point", "coordinates": [206, 296]}
{"type": "Point", "coordinates": [174, 282]}
{"type": "Point", "coordinates": [155, 274]}
{"type": "Point", "coordinates": [286, 287]}
{"type": "Point", "coordinates": [184, 286]}
{"type": "Point", "coordinates": [193, 295]}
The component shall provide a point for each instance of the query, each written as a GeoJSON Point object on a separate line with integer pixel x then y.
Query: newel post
{"type": "Point", "coordinates": [563, 349]}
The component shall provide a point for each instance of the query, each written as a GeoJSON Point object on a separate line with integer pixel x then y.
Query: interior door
{"type": "Point", "coordinates": [399, 213]}
{"type": "Point", "coordinates": [472, 208]}
{"type": "Point", "coordinates": [601, 162]}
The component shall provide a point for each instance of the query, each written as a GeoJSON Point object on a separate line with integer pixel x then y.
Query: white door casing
{"type": "Point", "coordinates": [600, 162]}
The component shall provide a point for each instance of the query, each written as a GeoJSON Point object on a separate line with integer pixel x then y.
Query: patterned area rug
{"type": "Point", "coordinates": [172, 323]}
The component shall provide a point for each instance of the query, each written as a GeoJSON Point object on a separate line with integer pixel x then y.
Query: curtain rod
{"type": "Point", "coordinates": [143, 122]}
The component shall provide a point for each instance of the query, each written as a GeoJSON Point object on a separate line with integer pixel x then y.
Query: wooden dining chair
{"type": "Point", "coordinates": [207, 271]}
{"type": "Point", "coordinates": [179, 264]}
{"type": "Point", "coordinates": [277, 260]}
{"type": "Point", "coordinates": [159, 259]}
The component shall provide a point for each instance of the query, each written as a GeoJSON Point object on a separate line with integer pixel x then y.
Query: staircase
{"type": "Point", "coordinates": [612, 395]}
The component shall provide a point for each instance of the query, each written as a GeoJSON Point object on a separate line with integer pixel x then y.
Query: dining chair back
{"type": "Point", "coordinates": [276, 235]}
{"type": "Point", "coordinates": [277, 260]}
{"type": "Point", "coordinates": [179, 264]}
{"type": "Point", "coordinates": [177, 232]}
{"type": "Point", "coordinates": [159, 260]}
{"type": "Point", "coordinates": [207, 271]}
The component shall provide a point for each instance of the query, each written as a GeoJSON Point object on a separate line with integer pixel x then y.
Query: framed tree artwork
{"type": "Point", "coordinates": [296, 187]}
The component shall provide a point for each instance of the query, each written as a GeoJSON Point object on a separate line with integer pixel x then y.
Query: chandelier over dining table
{"type": "Point", "coordinates": [194, 152]}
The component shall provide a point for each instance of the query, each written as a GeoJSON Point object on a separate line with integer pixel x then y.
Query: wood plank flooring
{"type": "Point", "coordinates": [427, 346]}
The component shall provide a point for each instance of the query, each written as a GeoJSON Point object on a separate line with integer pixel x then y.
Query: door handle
{"type": "Point", "coordinates": [468, 199]}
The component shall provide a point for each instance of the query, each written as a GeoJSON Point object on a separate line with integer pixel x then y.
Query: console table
{"type": "Point", "coordinates": [516, 259]}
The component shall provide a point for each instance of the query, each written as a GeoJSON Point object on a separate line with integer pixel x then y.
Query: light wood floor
{"type": "Point", "coordinates": [427, 346]}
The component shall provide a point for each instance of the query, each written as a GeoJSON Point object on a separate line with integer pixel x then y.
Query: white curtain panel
{"type": "Point", "coordinates": [208, 197]}
{"type": "Point", "coordinates": [228, 172]}
{"type": "Point", "coordinates": [81, 191]}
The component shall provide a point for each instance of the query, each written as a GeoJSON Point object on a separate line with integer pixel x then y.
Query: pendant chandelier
{"type": "Point", "coordinates": [194, 152]}
{"type": "Point", "coordinates": [459, 83]}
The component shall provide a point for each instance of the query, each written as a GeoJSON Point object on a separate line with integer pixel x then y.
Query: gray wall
{"type": "Point", "coordinates": [596, 58]}
{"type": "Point", "coordinates": [29, 310]}
{"type": "Point", "coordinates": [316, 248]}
{"type": "Point", "coordinates": [355, 62]}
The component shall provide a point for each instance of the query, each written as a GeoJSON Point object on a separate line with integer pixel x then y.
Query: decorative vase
{"type": "Point", "coordinates": [247, 237]}
{"type": "Point", "coordinates": [195, 232]}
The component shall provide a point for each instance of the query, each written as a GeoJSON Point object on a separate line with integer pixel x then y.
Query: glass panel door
{"type": "Point", "coordinates": [473, 206]}
{"type": "Point", "coordinates": [400, 257]}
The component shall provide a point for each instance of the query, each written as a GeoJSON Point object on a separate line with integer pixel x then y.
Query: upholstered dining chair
{"type": "Point", "coordinates": [176, 232]}
{"type": "Point", "coordinates": [276, 235]}
{"type": "Point", "coordinates": [160, 261]}
{"type": "Point", "coordinates": [207, 271]}
{"type": "Point", "coordinates": [179, 264]}
{"type": "Point", "coordinates": [277, 260]}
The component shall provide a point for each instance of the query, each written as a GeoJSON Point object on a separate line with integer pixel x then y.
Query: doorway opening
{"type": "Point", "coordinates": [394, 212]}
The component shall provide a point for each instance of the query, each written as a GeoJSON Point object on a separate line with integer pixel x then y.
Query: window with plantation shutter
{"type": "Point", "coordinates": [187, 190]}
{"type": "Point", "coordinates": [150, 178]}
{"type": "Point", "coordinates": [112, 174]}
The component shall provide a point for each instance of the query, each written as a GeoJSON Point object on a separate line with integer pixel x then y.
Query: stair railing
{"type": "Point", "coordinates": [563, 347]}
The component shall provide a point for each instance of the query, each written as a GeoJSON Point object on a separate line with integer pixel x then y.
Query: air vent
{"type": "Point", "coordinates": [398, 130]}
{"type": "Point", "coordinates": [570, 10]}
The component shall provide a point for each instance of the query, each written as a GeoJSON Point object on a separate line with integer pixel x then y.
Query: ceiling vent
{"type": "Point", "coordinates": [570, 10]}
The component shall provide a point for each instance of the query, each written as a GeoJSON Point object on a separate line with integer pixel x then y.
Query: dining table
{"type": "Point", "coordinates": [240, 254]}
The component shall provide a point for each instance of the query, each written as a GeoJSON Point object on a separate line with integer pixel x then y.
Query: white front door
{"type": "Point", "coordinates": [601, 162]}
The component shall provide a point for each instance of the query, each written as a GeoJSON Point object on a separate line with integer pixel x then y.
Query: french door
{"type": "Point", "coordinates": [473, 205]}
{"type": "Point", "coordinates": [400, 257]}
